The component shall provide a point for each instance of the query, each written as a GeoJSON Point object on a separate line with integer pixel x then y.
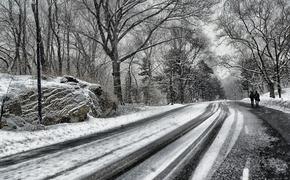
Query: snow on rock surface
{"type": "Point", "coordinates": [65, 99]}
{"type": "Point", "coordinates": [12, 142]}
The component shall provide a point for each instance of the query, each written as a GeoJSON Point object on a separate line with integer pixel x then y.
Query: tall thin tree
{"type": "Point", "coordinates": [34, 6]}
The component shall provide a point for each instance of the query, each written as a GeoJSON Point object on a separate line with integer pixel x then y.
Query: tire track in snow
{"type": "Point", "coordinates": [204, 169]}
{"type": "Point", "coordinates": [39, 152]}
{"type": "Point", "coordinates": [61, 157]}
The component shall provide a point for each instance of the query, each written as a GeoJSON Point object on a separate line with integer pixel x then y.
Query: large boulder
{"type": "Point", "coordinates": [68, 101]}
{"type": "Point", "coordinates": [14, 107]}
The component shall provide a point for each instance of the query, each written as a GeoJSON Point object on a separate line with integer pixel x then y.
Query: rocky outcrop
{"type": "Point", "coordinates": [69, 101]}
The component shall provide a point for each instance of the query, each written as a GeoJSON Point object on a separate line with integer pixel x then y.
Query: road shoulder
{"type": "Point", "coordinates": [278, 120]}
{"type": "Point", "coordinates": [259, 153]}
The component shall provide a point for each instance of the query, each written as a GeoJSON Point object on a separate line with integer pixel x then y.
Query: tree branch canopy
{"type": "Point", "coordinates": [117, 20]}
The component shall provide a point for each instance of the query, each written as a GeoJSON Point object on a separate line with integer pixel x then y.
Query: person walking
{"type": "Point", "coordinates": [252, 97]}
{"type": "Point", "coordinates": [257, 98]}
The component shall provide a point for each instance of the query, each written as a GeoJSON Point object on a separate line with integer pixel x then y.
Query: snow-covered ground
{"type": "Point", "coordinates": [98, 154]}
{"type": "Point", "coordinates": [12, 142]}
{"type": "Point", "coordinates": [15, 142]}
{"type": "Point", "coordinates": [156, 164]}
{"type": "Point", "coordinates": [281, 104]}
{"type": "Point", "coordinates": [17, 84]}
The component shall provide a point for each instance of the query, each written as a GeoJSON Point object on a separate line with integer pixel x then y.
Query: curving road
{"type": "Point", "coordinates": [216, 140]}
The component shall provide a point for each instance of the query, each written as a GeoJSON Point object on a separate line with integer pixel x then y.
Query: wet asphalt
{"type": "Point", "coordinates": [260, 149]}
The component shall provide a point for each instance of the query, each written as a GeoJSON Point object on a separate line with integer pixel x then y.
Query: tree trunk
{"type": "Point", "coordinates": [68, 51]}
{"type": "Point", "coordinates": [136, 90]}
{"type": "Point", "coordinates": [146, 95]}
{"type": "Point", "coordinates": [59, 55]}
{"type": "Point", "coordinates": [17, 58]}
{"type": "Point", "coordinates": [278, 78]}
{"type": "Point", "coordinates": [278, 74]}
{"type": "Point", "coordinates": [39, 58]}
{"type": "Point", "coordinates": [129, 84]}
{"type": "Point", "coordinates": [25, 60]}
{"type": "Point", "coordinates": [128, 90]}
{"type": "Point", "coordinates": [171, 88]}
{"type": "Point", "coordinates": [279, 88]}
{"type": "Point", "coordinates": [181, 91]}
{"type": "Point", "coordinates": [18, 41]}
{"type": "Point", "coordinates": [49, 40]}
{"type": "Point", "coordinates": [56, 31]}
{"type": "Point", "coordinates": [271, 89]}
{"type": "Point", "coordinates": [42, 59]}
{"type": "Point", "coordinates": [23, 45]}
{"type": "Point", "coordinates": [117, 81]}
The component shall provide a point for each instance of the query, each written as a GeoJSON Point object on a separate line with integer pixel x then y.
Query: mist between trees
{"type": "Point", "coordinates": [141, 51]}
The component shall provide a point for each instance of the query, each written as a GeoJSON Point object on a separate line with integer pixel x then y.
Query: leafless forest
{"type": "Point", "coordinates": [149, 51]}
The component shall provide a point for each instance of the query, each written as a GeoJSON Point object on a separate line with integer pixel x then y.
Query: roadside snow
{"type": "Point", "coordinates": [80, 161]}
{"type": "Point", "coordinates": [4, 83]}
{"type": "Point", "coordinates": [122, 146]}
{"type": "Point", "coordinates": [15, 142]}
{"type": "Point", "coordinates": [285, 94]}
{"type": "Point", "coordinates": [281, 104]}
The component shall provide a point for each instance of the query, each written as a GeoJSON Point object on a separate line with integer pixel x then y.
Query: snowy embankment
{"type": "Point", "coordinates": [15, 142]}
{"type": "Point", "coordinates": [281, 104]}
{"type": "Point", "coordinates": [109, 155]}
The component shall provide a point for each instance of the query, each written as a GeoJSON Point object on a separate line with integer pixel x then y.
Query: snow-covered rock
{"type": "Point", "coordinates": [65, 100]}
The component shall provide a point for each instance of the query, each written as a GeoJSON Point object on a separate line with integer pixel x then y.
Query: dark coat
{"type": "Point", "coordinates": [252, 96]}
{"type": "Point", "coordinates": [257, 96]}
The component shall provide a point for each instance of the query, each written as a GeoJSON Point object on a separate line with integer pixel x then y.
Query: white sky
{"type": "Point", "coordinates": [210, 29]}
{"type": "Point", "coordinates": [217, 46]}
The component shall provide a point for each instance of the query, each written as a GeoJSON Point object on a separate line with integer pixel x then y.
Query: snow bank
{"type": "Point", "coordinates": [15, 142]}
{"type": "Point", "coordinates": [281, 104]}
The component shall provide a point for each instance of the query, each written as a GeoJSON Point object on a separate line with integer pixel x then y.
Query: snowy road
{"type": "Point", "coordinates": [246, 147]}
{"type": "Point", "coordinates": [96, 156]}
{"type": "Point", "coordinates": [201, 141]}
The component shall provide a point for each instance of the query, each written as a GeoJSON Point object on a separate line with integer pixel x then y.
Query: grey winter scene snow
{"type": "Point", "coordinates": [145, 89]}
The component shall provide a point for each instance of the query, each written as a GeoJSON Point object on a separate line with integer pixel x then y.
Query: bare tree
{"type": "Point", "coordinates": [14, 18]}
{"type": "Point", "coordinates": [190, 45]}
{"type": "Point", "coordinates": [116, 20]}
{"type": "Point", "coordinates": [40, 56]}
{"type": "Point", "coordinates": [263, 29]}
{"type": "Point", "coordinates": [55, 27]}
{"type": "Point", "coordinates": [68, 23]}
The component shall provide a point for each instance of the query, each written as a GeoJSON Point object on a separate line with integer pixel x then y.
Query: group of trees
{"type": "Point", "coordinates": [63, 47]}
{"type": "Point", "coordinates": [186, 76]}
{"type": "Point", "coordinates": [130, 41]}
{"type": "Point", "coordinates": [260, 31]}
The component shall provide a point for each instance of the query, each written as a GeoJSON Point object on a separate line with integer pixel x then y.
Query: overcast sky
{"type": "Point", "coordinates": [218, 46]}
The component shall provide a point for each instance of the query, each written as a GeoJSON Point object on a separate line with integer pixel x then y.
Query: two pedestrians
{"type": "Point", "coordinates": [255, 98]}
